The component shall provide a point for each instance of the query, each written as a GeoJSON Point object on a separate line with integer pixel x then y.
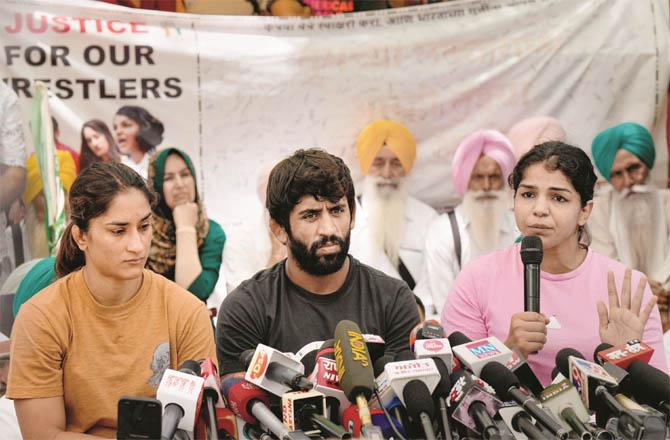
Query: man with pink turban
{"type": "Point", "coordinates": [481, 223]}
{"type": "Point", "coordinates": [391, 225]}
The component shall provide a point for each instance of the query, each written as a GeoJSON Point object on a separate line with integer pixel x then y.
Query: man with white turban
{"type": "Point", "coordinates": [529, 132]}
{"type": "Point", "coordinates": [481, 223]}
{"type": "Point", "coordinates": [254, 247]}
{"type": "Point", "coordinates": [391, 225]}
{"type": "Point", "coordinates": [630, 221]}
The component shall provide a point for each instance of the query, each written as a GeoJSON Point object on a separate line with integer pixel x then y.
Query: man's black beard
{"type": "Point", "coordinates": [319, 265]}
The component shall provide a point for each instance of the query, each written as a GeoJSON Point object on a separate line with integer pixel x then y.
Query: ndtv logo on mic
{"type": "Point", "coordinates": [482, 349]}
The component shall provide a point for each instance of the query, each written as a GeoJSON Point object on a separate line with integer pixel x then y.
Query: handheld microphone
{"type": "Point", "coordinates": [520, 424]}
{"type": "Point", "coordinates": [593, 383]}
{"type": "Point", "coordinates": [506, 385]}
{"type": "Point", "coordinates": [440, 394]}
{"type": "Point", "coordinates": [531, 256]}
{"type": "Point", "coordinates": [430, 329]}
{"type": "Point", "coordinates": [458, 338]}
{"type": "Point", "coordinates": [623, 355]}
{"type": "Point", "coordinates": [455, 339]}
{"type": "Point", "coordinates": [274, 371]}
{"type": "Point", "coordinates": [563, 401]}
{"type": "Point", "coordinates": [385, 397]}
{"type": "Point", "coordinates": [401, 373]}
{"type": "Point", "coordinates": [326, 381]}
{"type": "Point", "coordinates": [422, 377]}
{"type": "Point", "coordinates": [647, 384]}
{"type": "Point", "coordinates": [305, 410]}
{"type": "Point", "coordinates": [307, 356]}
{"type": "Point", "coordinates": [620, 375]}
{"type": "Point", "coordinates": [250, 403]}
{"type": "Point", "coordinates": [180, 392]}
{"type": "Point", "coordinates": [226, 420]}
{"type": "Point", "coordinates": [375, 344]}
{"type": "Point", "coordinates": [473, 404]}
{"type": "Point", "coordinates": [354, 369]}
{"type": "Point", "coordinates": [211, 394]}
{"type": "Point", "coordinates": [650, 386]}
{"type": "Point", "coordinates": [591, 380]}
{"type": "Point", "coordinates": [380, 364]}
{"type": "Point", "coordinates": [474, 355]}
{"type": "Point", "coordinates": [419, 404]}
{"type": "Point", "coordinates": [437, 348]}
{"type": "Point", "coordinates": [352, 422]}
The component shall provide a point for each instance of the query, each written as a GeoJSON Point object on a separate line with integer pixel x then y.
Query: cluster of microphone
{"type": "Point", "coordinates": [443, 387]}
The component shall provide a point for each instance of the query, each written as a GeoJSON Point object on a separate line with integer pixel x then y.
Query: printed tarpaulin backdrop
{"type": "Point", "coordinates": [239, 93]}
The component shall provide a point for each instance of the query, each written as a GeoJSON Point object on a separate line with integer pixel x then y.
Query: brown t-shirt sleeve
{"type": "Point", "coordinates": [195, 340]}
{"type": "Point", "coordinates": [37, 352]}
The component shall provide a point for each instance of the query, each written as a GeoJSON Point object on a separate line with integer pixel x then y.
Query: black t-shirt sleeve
{"type": "Point", "coordinates": [240, 326]}
{"type": "Point", "coordinates": [402, 316]}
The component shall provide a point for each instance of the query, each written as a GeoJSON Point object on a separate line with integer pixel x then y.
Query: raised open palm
{"type": "Point", "coordinates": [624, 320]}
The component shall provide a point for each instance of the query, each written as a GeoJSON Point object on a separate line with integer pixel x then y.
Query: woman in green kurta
{"type": "Point", "coordinates": [186, 245]}
{"type": "Point", "coordinates": [174, 244]}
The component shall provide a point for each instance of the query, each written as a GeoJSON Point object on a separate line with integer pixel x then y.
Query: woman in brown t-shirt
{"type": "Point", "coordinates": [107, 327]}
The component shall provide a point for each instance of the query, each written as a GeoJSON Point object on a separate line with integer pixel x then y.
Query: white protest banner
{"type": "Point", "coordinates": [239, 93]}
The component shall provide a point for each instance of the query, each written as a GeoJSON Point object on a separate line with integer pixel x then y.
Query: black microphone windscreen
{"type": "Point", "coordinates": [603, 346]}
{"type": "Point", "coordinates": [453, 378]}
{"type": "Point", "coordinates": [458, 338]}
{"type": "Point", "coordinates": [246, 356]}
{"type": "Point", "coordinates": [354, 366]}
{"type": "Point", "coordinates": [404, 355]}
{"type": "Point", "coordinates": [651, 386]}
{"type": "Point", "coordinates": [444, 385]}
{"type": "Point", "coordinates": [418, 399]}
{"type": "Point", "coordinates": [554, 373]}
{"type": "Point", "coordinates": [309, 362]}
{"type": "Point", "coordinates": [531, 250]}
{"type": "Point", "coordinates": [328, 343]}
{"type": "Point", "coordinates": [562, 361]}
{"type": "Point", "coordinates": [500, 378]}
{"type": "Point", "coordinates": [326, 351]}
{"type": "Point", "coordinates": [380, 363]}
{"type": "Point", "coordinates": [192, 366]}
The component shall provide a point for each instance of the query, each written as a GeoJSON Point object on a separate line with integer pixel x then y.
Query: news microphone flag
{"type": "Point", "coordinates": [476, 354]}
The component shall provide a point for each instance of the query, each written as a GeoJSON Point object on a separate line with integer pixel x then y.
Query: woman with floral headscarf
{"type": "Point", "coordinates": [186, 246]}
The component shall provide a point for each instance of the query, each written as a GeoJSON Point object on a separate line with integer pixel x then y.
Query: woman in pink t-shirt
{"type": "Point", "coordinates": [553, 190]}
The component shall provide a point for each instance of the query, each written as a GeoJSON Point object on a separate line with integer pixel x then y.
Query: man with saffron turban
{"type": "Point", "coordinates": [391, 225]}
{"type": "Point", "coordinates": [631, 219]}
{"type": "Point", "coordinates": [481, 223]}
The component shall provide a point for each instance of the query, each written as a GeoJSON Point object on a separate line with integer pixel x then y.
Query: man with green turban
{"type": "Point", "coordinates": [630, 221]}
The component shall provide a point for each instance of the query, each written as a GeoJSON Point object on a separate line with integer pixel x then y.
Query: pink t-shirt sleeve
{"type": "Point", "coordinates": [462, 310]}
{"type": "Point", "coordinates": [653, 334]}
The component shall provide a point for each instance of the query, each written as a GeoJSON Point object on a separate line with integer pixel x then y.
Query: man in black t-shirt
{"type": "Point", "coordinates": [311, 200]}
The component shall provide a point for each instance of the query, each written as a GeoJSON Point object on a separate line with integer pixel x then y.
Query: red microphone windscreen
{"type": "Point", "coordinates": [240, 394]}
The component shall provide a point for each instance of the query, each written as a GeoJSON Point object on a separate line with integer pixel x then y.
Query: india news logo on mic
{"type": "Point", "coordinates": [483, 349]}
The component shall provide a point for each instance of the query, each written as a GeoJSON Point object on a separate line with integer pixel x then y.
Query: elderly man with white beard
{"type": "Point", "coordinates": [390, 224]}
{"type": "Point", "coordinates": [630, 221]}
{"type": "Point", "coordinates": [481, 223]}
